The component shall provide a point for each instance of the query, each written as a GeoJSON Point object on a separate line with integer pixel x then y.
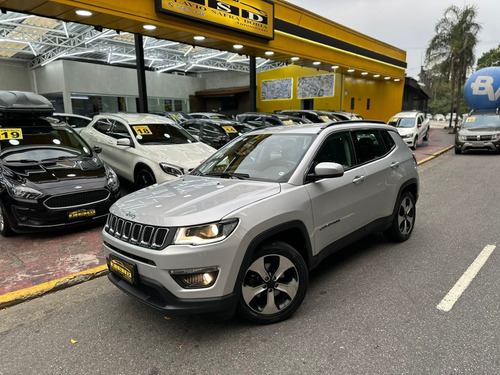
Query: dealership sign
{"type": "Point", "coordinates": [482, 89]}
{"type": "Point", "coordinates": [254, 17]}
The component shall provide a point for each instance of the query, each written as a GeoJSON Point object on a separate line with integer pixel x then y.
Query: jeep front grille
{"type": "Point", "coordinates": [148, 236]}
{"type": "Point", "coordinates": [77, 199]}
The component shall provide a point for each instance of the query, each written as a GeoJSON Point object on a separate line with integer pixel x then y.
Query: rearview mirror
{"type": "Point", "coordinates": [326, 170]}
{"type": "Point", "coordinates": [124, 142]}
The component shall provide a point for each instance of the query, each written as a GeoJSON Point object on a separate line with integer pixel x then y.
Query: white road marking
{"type": "Point", "coordinates": [454, 294]}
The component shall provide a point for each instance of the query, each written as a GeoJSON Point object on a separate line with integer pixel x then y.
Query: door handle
{"type": "Point", "coordinates": [358, 179]}
{"type": "Point", "coordinates": [395, 164]}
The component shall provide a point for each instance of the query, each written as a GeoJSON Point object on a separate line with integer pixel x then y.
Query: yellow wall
{"type": "Point", "coordinates": [385, 96]}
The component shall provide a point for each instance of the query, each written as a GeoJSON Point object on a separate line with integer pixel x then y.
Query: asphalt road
{"type": "Point", "coordinates": [371, 309]}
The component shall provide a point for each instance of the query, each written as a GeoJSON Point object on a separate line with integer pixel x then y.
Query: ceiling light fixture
{"type": "Point", "coordinates": [83, 12]}
{"type": "Point", "coordinates": [316, 63]}
{"type": "Point", "coordinates": [149, 27]}
{"type": "Point", "coordinates": [237, 46]}
{"type": "Point", "coordinates": [397, 80]}
{"type": "Point", "coordinates": [376, 75]}
{"type": "Point", "coordinates": [295, 58]}
{"type": "Point", "coordinates": [364, 73]}
{"type": "Point", "coordinates": [199, 38]}
{"type": "Point", "coordinates": [269, 53]}
{"type": "Point", "coordinates": [350, 70]}
{"type": "Point", "coordinates": [387, 78]}
{"type": "Point", "coordinates": [335, 67]}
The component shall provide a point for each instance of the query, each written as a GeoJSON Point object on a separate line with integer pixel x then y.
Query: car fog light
{"type": "Point", "coordinates": [196, 277]}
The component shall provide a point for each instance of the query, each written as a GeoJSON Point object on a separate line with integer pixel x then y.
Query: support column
{"type": "Point", "coordinates": [253, 84]}
{"type": "Point", "coordinates": [141, 74]}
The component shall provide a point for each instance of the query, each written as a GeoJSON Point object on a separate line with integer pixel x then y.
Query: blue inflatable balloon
{"type": "Point", "coordinates": [482, 89]}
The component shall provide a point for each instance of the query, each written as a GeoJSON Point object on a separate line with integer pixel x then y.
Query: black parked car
{"type": "Point", "coordinates": [312, 115]}
{"type": "Point", "coordinates": [214, 132]}
{"type": "Point", "coordinates": [262, 120]}
{"type": "Point", "coordinates": [49, 176]}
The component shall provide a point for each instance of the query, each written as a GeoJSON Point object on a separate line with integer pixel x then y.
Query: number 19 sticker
{"type": "Point", "coordinates": [11, 134]}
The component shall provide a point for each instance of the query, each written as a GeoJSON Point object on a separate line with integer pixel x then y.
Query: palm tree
{"type": "Point", "coordinates": [452, 47]}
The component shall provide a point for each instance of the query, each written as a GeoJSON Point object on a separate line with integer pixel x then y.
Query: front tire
{"type": "Point", "coordinates": [5, 228]}
{"type": "Point", "coordinates": [404, 219]}
{"type": "Point", "coordinates": [144, 177]}
{"type": "Point", "coordinates": [274, 285]}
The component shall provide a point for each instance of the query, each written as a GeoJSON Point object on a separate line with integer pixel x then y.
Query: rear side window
{"type": "Point", "coordinates": [369, 145]}
{"type": "Point", "coordinates": [388, 140]}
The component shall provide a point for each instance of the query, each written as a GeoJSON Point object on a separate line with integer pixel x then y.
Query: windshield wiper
{"type": "Point", "coordinates": [23, 161]}
{"type": "Point", "coordinates": [59, 158]}
{"type": "Point", "coordinates": [241, 176]}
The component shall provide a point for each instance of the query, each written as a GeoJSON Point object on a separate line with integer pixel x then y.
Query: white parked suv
{"type": "Point", "coordinates": [412, 126]}
{"type": "Point", "coordinates": [145, 148]}
{"type": "Point", "coordinates": [242, 231]}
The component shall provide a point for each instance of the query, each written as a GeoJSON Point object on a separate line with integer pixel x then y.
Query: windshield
{"type": "Point", "coordinates": [402, 122]}
{"type": "Point", "coordinates": [161, 134]}
{"type": "Point", "coordinates": [40, 142]}
{"type": "Point", "coordinates": [482, 122]}
{"type": "Point", "coordinates": [264, 157]}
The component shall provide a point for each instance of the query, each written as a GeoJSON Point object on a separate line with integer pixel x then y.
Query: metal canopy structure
{"type": "Point", "coordinates": [36, 41]}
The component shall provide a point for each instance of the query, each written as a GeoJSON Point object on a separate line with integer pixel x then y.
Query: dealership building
{"type": "Point", "coordinates": [201, 55]}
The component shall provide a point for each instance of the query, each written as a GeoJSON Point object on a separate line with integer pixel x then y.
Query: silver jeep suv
{"type": "Point", "coordinates": [243, 230]}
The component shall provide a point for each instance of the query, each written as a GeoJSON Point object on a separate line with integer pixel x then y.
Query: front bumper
{"type": "Point", "coordinates": [154, 285]}
{"type": "Point", "coordinates": [478, 145]}
{"type": "Point", "coordinates": [29, 217]}
{"type": "Point", "coordinates": [157, 296]}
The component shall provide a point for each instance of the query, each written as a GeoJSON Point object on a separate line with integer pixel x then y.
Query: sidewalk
{"type": "Point", "coordinates": [34, 264]}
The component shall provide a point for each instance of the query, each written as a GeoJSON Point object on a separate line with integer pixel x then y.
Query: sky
{"type": "Point", "coordinates": [406, 24]}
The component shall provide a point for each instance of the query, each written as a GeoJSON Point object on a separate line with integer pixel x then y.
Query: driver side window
{"type": "Point", "coordinates": [337, 148]}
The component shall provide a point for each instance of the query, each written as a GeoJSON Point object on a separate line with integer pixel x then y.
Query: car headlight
{"type": "Point", "coordinates": [112, 181]}
{"type": "Point", "coordinates": [21, 191]}
{"type": "Point", "coordinates": [205, 234]}
{"type": "Point", "coordinates": [407, 136]}
{"type": "Point", "coordinates": [462, 138]}
{"type": "Point", "coordinates": [495, 137]}
{"type": "Point", "coordinates": [172, 169]}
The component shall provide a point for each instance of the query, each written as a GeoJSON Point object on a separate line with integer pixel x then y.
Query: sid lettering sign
{"type": "Point", "coordinates": [254, 17]}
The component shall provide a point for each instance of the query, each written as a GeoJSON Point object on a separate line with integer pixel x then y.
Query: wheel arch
{"type": "Point", "coordinates": [293, 233]}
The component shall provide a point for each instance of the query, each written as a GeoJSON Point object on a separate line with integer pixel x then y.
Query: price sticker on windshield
{"type": "Point", "coordinates": [229, 129]}
{"type": "Point", "coordinates": [142, 130]}
{"type": "Point", "coordinates": [470, 119]}
{"type": "Point", "coordinates": [11, 134]}
{"type": "Point", "coordinates": [288, 122]}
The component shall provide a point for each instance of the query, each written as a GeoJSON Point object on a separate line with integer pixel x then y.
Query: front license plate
{"type": "Point", "coordinates": [121, 268]}
{"type": "Point", "coordinates": [81, 213]}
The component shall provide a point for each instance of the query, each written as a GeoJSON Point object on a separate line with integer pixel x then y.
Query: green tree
{"type": "Point", "coordinates": [451, 49]}
{"type": "Point", "coordinates": [490, 58]}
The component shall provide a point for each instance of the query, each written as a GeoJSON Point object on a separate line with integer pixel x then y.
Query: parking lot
{"type": "Point", "coordinates": [373, 308]}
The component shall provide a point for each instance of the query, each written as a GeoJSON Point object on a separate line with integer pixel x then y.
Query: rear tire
{"type": "Point", "coordinates": [274, 285]}
{"type": "Point", "coordinates": [404, 219]}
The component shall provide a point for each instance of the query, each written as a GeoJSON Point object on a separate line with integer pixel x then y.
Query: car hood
{"type": "Point", "coordinates": [49, 172]}
{"type": "Point", "coordinates": [191, 200]}
{"type": "Point", "coordinates": [187, 156]}
{"type": "Point", "coordinates": [405, 131]}
{"type": "Point", "coordinates": [482, 131]}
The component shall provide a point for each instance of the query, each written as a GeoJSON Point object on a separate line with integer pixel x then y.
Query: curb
{"type": "Point", "coordinates": [436, 154]}
{"type": "Point", "coordinates": [13, 298]}
{"type": "Point", "coordinates": [18, 296]}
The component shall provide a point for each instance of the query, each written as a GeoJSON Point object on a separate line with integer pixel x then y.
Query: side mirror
{"type": "Point", "coordinates": [419, 125]}
{"type": "Point", "coordinates": [326, 170]}
{"type": "Point", "coordinates": [97, 149]}
{"type": "Point", "coordinates": [124, 142]}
